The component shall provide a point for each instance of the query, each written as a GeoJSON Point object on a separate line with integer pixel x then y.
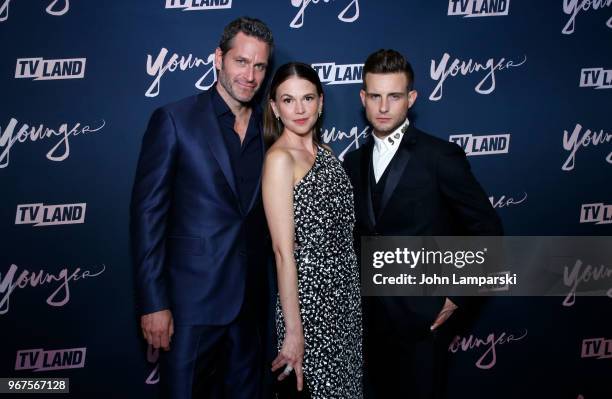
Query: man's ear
{"type": "Point", "coordinates": [362, 94]}
{"type": "Point", "coordinates": [218, 58]}
{"type": "Point", "coordinates": [412, 96]}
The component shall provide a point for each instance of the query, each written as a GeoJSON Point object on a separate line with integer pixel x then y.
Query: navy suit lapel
{"type": "Point", "coordinates": [215, 141]}
{"type": "Point", "coordinates": [397, 166]}
{"type": "Point", "coordinates": [366, 183]}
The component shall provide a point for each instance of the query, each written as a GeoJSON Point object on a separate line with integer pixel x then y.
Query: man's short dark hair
{"type": "Point", "coordinates": [388, 61]}
{"type": "Point", "coordinates": [250, 27]}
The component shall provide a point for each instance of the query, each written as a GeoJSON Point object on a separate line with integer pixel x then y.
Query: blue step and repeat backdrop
{"type": "Point", "coordinates": [523, 86]}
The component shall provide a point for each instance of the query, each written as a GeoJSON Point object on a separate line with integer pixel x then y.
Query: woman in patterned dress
{"type": "Point", "coordinates": [308, 201]}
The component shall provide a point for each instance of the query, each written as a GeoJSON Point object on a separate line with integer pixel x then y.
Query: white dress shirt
{"type": "Point", "coordinates": [385, 149]}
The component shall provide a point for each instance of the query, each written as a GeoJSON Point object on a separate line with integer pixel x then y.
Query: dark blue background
{"type": "Point", "coordinates": [533, 103]}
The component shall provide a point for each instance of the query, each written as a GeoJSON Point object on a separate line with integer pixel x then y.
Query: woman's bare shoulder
{"type": "Point", "coordinates": [279, 157]}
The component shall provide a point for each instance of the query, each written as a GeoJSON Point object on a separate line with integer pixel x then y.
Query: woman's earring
{"type": "Point", "coordinates": [320, 112]}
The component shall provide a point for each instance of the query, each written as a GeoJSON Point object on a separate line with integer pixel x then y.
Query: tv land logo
{"type": "Point", "coordinates": [598, 213]}
{"type": "Point", "coordinates": [442, 70]}
{"type": "Point", "coordinates": [598, 348]}
{"type": "Point", "coordinates": [579, 139]}
{"type": "Point", "coordinates": [349, 138]}
{"type": "Point", "coordinates": [482, 145]}
{"type": "Point", "coordinates": [26, 134]}
{"type": "Point", "coordinates": [338, 74]}
{"type": "Point", "coordinates": [199, 5]}
{"type": "Point", "coordinates": [478, 8]}
{"type": "Point", "coordinates": [574, 7]}
{"type": "Point", "coordinates": [162, 64]}
{"type": "Point", "coordinates": [50, 215]}
{"type": "Point", "coordinates": [598, 78]}
{"type": "Point", "coordinates": [41, 69]}
{"type": "Point", "coordinates": [56, 8]}
{"type": "Point", "coordinates": [488, 359]}
{"type": "Point", "coordinates": [349, 14]}
{"type": "Point", "coordinates": [48, 360]}
{"type": "Point", "coordinates": [14, 279]}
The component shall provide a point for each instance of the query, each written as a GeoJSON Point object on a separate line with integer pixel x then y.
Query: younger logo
{"type": "Point", "coordinates": [478, 8]}
{"type": "Point", "coordinates": [15, 278]}
{"type": "Point", "coordinates": [339, 74]}
{"type": "Point", "coordinates": [578, 139]}
{"type": "Point", "coordinates": [506, 201]}
{"type": "Point", "coordinates": [440, 71]}
{"type": "Point", "coordinates": [596, 213]}
{"type": "Point", "coordinates": [482, 145]}
{"type": "Point", "coordinates": [574, 7]}
{"type": "Point", "coordinates": [153, 359]}
{"type": "Point", "coordinates": [41, 69]}
{"type": "Point", "coordinates": [158, 67]}
{"type": "Point", "coordinates": [599, 348]}
{"type": "Point", "coordinates": [298, 20]}
{"type": "Point", "coordinates": [581, 273]}
{"type": "Point", "coordinates": [353, 136]}
{"type": "Point", "coordinates": [488, 359]}
{"type": "Point", "coordinates": [599, 78]}
{"type": "Point", "coordinates": [50, 215]}
{"type": "Point", "coordinates": [199, 5]}
{"type": "Point", "coordinates": [56, 8]}
{"type": "Point", "coordinates": [42, 360]}
{"type": "Point", "coordinates": [16, 133]}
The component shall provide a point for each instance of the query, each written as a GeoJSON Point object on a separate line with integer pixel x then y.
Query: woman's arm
{"type": "Point", "coordinates": [277, 189]}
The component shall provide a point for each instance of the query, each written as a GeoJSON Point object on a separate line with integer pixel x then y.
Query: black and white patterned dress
{"type": "Point", "coordinates": [328, 281]}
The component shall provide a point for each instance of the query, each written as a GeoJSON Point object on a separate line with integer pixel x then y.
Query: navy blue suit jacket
{"type": "Point", "coordinates": [196, 252]}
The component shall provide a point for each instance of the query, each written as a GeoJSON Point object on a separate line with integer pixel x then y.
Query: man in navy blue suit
{"type": "Point", "coordinates": [198, 227]}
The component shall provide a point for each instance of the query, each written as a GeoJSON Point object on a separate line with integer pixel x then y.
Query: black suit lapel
{"type": "Point", "coordinates": [366, 183]}
{"type": "Point", "coordinates": [397, 166]}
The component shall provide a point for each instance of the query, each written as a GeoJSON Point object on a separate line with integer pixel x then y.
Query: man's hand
{"type": "Point", "coordinates": [158, 328]}
{"type": "Point", "coordinates": [447, 310]}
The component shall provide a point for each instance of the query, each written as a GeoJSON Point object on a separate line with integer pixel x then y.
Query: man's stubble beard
{"type": "Point", "coordinates": [227, 86]}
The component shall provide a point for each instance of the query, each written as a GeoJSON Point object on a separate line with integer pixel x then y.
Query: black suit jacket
{"type": "Point", "coordinates": [430, 191]}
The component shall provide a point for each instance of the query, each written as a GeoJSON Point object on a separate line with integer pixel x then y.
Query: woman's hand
{"type": "Point", "coordinates": [291, 357]}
